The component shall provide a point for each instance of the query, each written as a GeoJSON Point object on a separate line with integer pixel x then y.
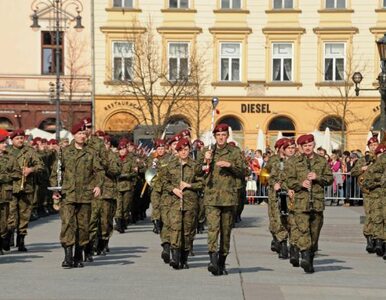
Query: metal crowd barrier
{"type": "Point", "coordinates": [345, 189]}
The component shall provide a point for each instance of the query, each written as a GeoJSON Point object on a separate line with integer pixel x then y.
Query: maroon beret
{"type": "Point", "coordinates": [78, 127]}
{"type": "Point", "coordinates": [305, 139]}
{"type": "Point", "coordinates": [185, 133]}
{"type": "Point", "coordinates": [2, 138]}
{"type": "Point", "coordinates": [107, 138]}
{"type": "Point", "coordinates": [52, 142]}
{"type": "Point", "coordinates": [380, 149]}
{"type": "Point", "coordinates": [279, 143]}
{"type": "Point", "coordinates": [87, 121]}
{"type": "Point", "coordinates": [100, 133]}
{"type": "Point", "coordinates": [44, 141]}
{"type": "Point", "coordinates": [198, 143]}
{"type": "Point", "coordinates": [372, 140]}
{"type": "Point", "coordinates": [182, 143]}
{"type": "Point", "coordinates": [159, 143]}
{"type": "Point", "coordinates": [174, 138]}
{"type": "Point", "coordinates": [221, 128]}
{"type": "Point", "coordinates": [122, 145]}
{"type": "Point", "coordinates": [287, 143]}
{"type": "Point", "coordinates": [17, 132]}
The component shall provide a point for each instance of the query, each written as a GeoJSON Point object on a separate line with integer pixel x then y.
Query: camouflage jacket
{"type": "Point", "coordinates": [296, 171]}
{"type": "Point", "coordinates": [82, 171]}
{"type": "Point", "coordinates": [357, 169]}
{"type": "Point", "coordinates": [221, 184]}
{"type": "Point", "coordinates": [127, 178]}
{"type": "Point", "coordinates": [6, 164]}
{"type": "Point", "coordinates": [25, 157]}
{"type": "Point", "coordinates": [374, 179]}
{"type": "Point", "coordinates": [112, 172]}
{"type": "Point", "coordinates": [97, 145]}
{"type": "Point", "coordinates": [174, 173]}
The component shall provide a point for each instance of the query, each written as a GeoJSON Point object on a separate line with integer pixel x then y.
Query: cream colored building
{"type": "Point", "coordinates": [276, 65]}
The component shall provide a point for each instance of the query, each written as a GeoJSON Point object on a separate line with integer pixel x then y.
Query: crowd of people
{"type": "Point", "coordinates": [97, 188]}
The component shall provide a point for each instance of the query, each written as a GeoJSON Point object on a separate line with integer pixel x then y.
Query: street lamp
{"type": "Point", "coordinates": [63, 10]}
{"type": "Point", "coordinates": [357, 78]}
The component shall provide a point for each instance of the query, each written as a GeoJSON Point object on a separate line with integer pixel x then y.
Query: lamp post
{"type": "Point", "coordinates": [357, 78]}
{"type": "Point", "coordinates": [62, 12]}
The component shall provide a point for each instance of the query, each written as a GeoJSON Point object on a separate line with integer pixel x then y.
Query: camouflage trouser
{"type": "Point", "coordinates": [306, 229]}
{"type": "Point", "coordinates": [384, 218]}
{"type": "Point", "coordinates": [220, 222]}
{"type": "Point", "coordinates": [101, 221]}
{"type": "Point", "coordinates": [201, 210]}
{"type": "Point", "coordinates": [176, 228]}
{"type": "Point", "coordinates": [277, 227]}
{"type": "Point", "coordinates": [41, 195]}
{"type": "Point", "coordinates": [124, 204]}
{"type": "Point", "coordinates": [291, 225]}
{"type": "Point", "coordinates": [4, 214]}
{"type": "Point", "coordinates": [20, 209]}
{"type": "Point", "coordinates": [376, 216]}
{"type": "Point", "coordinates": [242, 196]}
{"type": "Point", "coordinates": [75, 223]}
{"type": "Point", "coordinates": [155, 204]}
{"type": "Point", "coordinates": [165, 217]}
{"type": "Point", "coordinates": [368, 225]}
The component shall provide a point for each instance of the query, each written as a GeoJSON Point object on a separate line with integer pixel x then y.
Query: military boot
{"type": "Point", "coordinates": [107, 246]}
{"type": "Point", "coordinates": [200, 227]}
{"type": "Point", "coordinates": [34, 215]}
{"type": "Point", "coordinates": [191, 253]}
{"type": "Point", "coordinates": [12, 239]}
{"type": "Point", "coordinates": [307, 261]}
{"type": "Point", "coordinates": [157, 226]}
{"type": "Point", "coordinates": [101, 249]}
{"type": "Point", "coordinates": [7, 241]}
{"type": "Point", "coordinates": [165, 254]}
{"type": "Point", "coordinates": [294, 256]}
{"type": "Point", "coordinates": [118, 226]}
{"type": "Point", "coordinates": [213, 264]}
{"type": "Point", "coordinates": [78, 257]}
{"type": "Point", "coordinates": [21, 245]}
{"type": "Point", "coordinates": [379, 247]}
{"type": "Point", "coordinates": [283, 254]}
{"type": "Point", "coordinates": [275, 245]}
{"type": "Point", "coordinates": [1, 246]}
{"type": "Point", "coordinates": [370, 244]}
{"type": "Point", "coordinates": [88, 252]}
{"type": "Point", "coordinates": [384, 254]}
{"type": "Point", "coordinates": [176, 258]}
{"type": "Point", "coordinates": [221, 264]}
{"type": "Point", "coordinates": [67, 262]}
{"type": "Point", "coordinates": [184, 259]}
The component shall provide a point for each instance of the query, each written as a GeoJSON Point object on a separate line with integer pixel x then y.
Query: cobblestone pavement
{"type": "Point", "coordinates": [134, 270]}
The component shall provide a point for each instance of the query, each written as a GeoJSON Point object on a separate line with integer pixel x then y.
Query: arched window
{"type": "Point", "coordinates": [48, 125]}
{"type": "Point", "coordinates": [334, 123]}
{"type": "Point", "coordinates": [5, 123]}
{"type": "Point", "coordinates": [179, 120]}
{"type": "Point", "coordinates": [377, 124]}
{"type": "Point", "coordinates": [237, 130]}
{"type": "Point", "coordinates": [281, 124]}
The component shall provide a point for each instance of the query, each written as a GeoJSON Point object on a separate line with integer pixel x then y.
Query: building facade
{"type": "Point", "coordinates": [276, 65]}
{"type": "Point", "coordinates": [27, 66]}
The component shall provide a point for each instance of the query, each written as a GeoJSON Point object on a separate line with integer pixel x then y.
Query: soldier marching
{"type": "Point", "coordinates": [97, 189]}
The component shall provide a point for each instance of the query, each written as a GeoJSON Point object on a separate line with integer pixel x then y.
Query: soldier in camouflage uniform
{"type": "Point", "coordinates": [27, 165]}
{"type": "Point", "coordinates": [6, 164]}
{"type": "Point", "coordinates": [374, 181]}
{"type": "Point", "coordinates": [307, 175]}
{"type": "Point", "coordinates": [104, 207]}
{"type": "Point", "coordinates": [198, 145]}
{"type": "Point", "coordinates": [183, 183]}
{"type": "Point", "coordinates": [83, 176]}
{"type": "Point", "coordinates": [222, 167]}
{"type": "Point", "coordinates": [359, 171]}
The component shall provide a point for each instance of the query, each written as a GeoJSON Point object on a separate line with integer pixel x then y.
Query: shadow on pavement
{"type": "Point", "coordinates": [11, 259]}
{"type": "Point", "coordinates": [247, 222]}
{"type": "Point", "coordinates": [327, 261]}
{"type": "Point", "coordinates": [248, 270]}
{"type": "Point", "coordinates": [42, 247]}
{"type": "Point", "coordinates": [118, 256]}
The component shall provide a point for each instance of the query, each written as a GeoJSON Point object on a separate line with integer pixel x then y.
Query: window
{"type": "Point", "coordinates": [282, 62]}
{"type": "Point", "coordinates": [49, 52]}
{"type": "Point", "coordinates": [178, 61]}
{"type": "Point", "coordinates": [334, 123]}
{"type": "Point", "coordinates": [230, 62]}
{"type": "Point", "coordinates": [280, 4]}
{"type": "Point", "coordinates": [178, 3]}
{"type": "Point", "coordinates": [384, 4]}
{"type": "Point", "coordinates": [233, 4]}
{"type": "Point", "coordinates": [334, 61]}
{"type": "Point", "coordinates": [123, 3]}
{"type": "Point", "coordinates": [335, 3]}
{"type": "Point", "coordinates": [122, 61]}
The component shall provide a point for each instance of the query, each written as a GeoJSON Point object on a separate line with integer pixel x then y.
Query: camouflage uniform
{"type": "Point", "coordinates": [6, 163]}
{"type": "Point", "coordinates": [42, 180]}
{"type": "Point", "coordinates": [221, 200]}
{"type": "Point", "coordinates": [308, 204]}
{"type": "Point", "coordinates": [374, 181]}
{"type": "Point", "coordinates": [21, 204]}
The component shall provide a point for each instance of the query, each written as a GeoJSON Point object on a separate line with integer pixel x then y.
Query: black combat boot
{"type": "Point", "coordinates": [67, 262]}
{"type": "Point", "coordinates": [184, 259]}
{"type": "Point", "coordinates": [88, 252]}
{"type": "Point", "coordinates": [213, 264]}
{"type": "Point", "coordinates": [107, 246]}
{"type": "Point", "coordinates": [221, 264]}
{"type": "Point", "coordinates": [370, 244]}
{"type": "Point", "coordinates": [1, 246]}
{"type": "Point", "coordinates": [118, 226]}
{"type": "Point", "coordinates": [7, 241]}
{"type": "Point", "coordinates": [294, 256]}
{"type": "Point", "coordinates": [101, 249]}
{"type": "Point", "coordinates": [379, 247]}
{"type": "Point", "coordinates": [384, 254]}
{"type": "Point", "coordinates": [176, 258]}
{"type": "Point", "coordinates": [283, 254]}
{"type": "Point", "coordinates": [21, 245]}
{"type": "Point", "coordinates": [78, 257]}
{"type": "Point", "coordinates": [165, 254]}
{"type": "Point", "coordinates": [306, 262]}
{"type": "Point", "coordinates": [275, 245]}
{"type": "Point", "coordinates": [157, 226]}
{"type": "Point", "coordinates": [191, 253]}
{"type": "Point", "coordinates": [200, 227]}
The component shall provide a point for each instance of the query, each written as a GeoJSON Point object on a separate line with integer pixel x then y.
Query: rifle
{"type": "Point", "coordinates": [310, 196]}
{"type": "Point", "coordinates": [215, 102]}
{"type": "Point", "coordinates": [182, 248]}
{"type": "Point", "coordinates": [58, 187]}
